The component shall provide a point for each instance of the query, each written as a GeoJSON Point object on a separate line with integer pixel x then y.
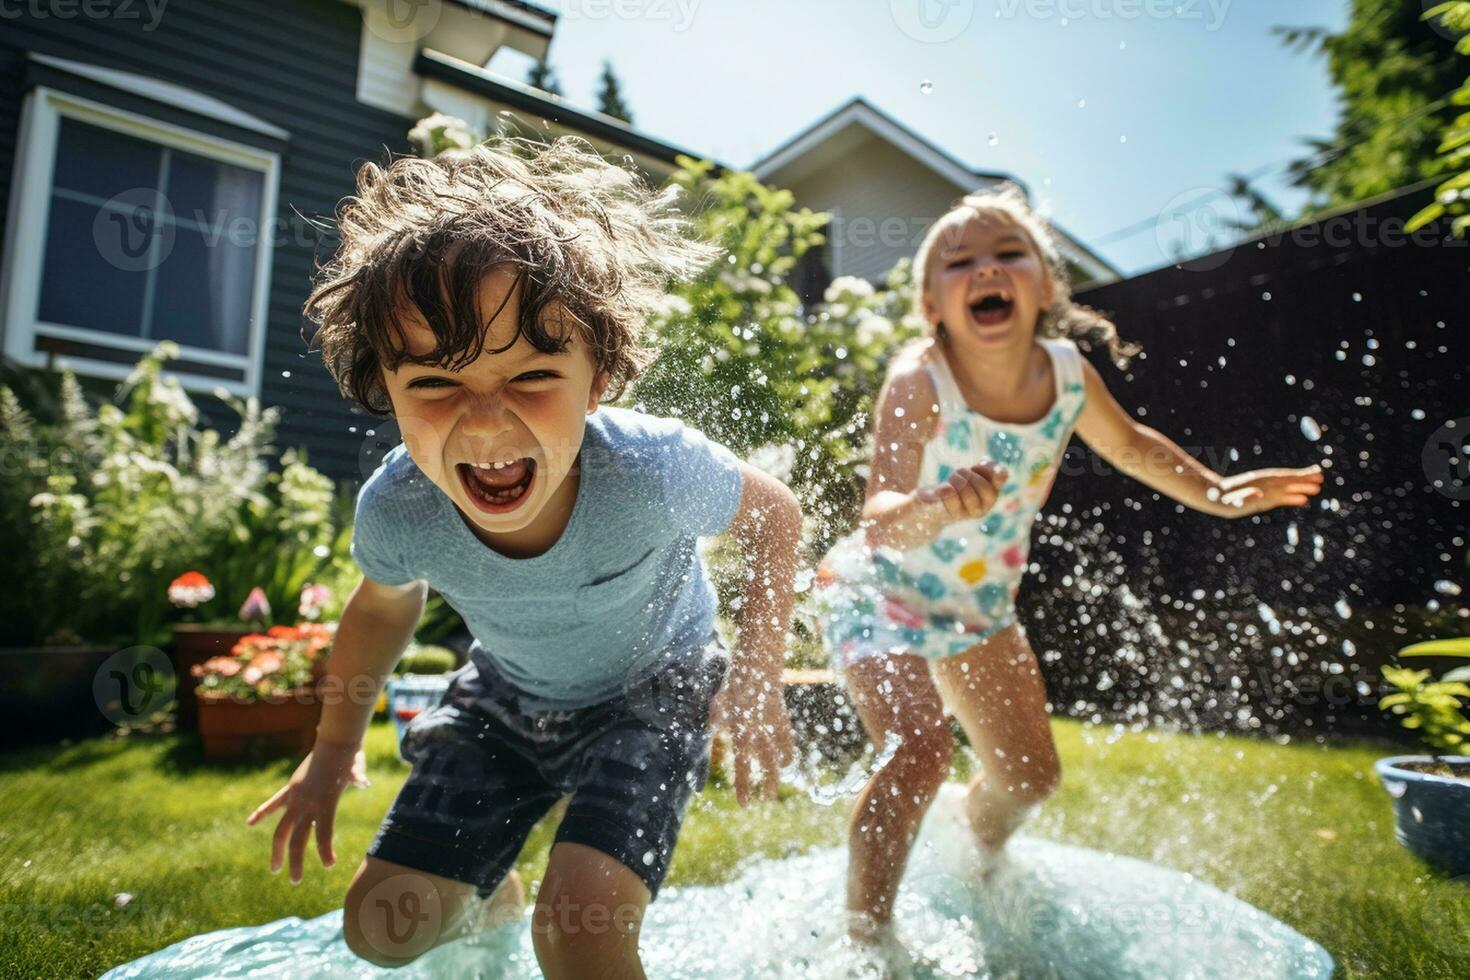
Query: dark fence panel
{"type": "Point", "coordinates": [1345, 326]}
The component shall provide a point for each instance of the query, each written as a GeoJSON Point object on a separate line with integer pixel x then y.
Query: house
{"type": "Point", "coordinates": [884, 185]}
{"type": "Point", "coordinates": [164, 165]}
{"type": "Point", "coordinates": [161, 165]}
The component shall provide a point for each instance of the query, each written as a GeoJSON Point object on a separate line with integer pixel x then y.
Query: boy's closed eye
{"type": "Point", "coordinates": [527, 377]}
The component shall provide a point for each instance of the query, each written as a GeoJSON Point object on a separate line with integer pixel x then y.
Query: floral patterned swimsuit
{"type": "Point", "coordinates": [942, 598]}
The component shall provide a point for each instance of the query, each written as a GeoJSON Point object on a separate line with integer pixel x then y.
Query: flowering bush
{"type": "Point", "coordinates": [104, 505]}
{"type": "Point", "coordinates": [278, 661]}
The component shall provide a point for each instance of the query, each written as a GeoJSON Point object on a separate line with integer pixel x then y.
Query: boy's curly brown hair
{"type": "Point", "coordinates": [588, 239]}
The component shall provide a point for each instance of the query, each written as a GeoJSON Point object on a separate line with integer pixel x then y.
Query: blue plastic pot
{"type": "Point", "coordinates": [1431, 813]}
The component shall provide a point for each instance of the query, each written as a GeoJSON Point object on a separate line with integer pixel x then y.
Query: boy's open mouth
{"type": "Point", "coordinates": [992, 310]}
{"type": "Point", "coordinates": [498, 488]}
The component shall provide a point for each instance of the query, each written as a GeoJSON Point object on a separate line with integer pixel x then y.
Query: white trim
{"type": "Point", "coordinates": [26, 229]}
{"type": "Point", "coordinates": [862, 114]}
{"type": "Point", "coordinates": [859, 113]}
{"type": "Point", "coordinates": [165, 92]}
{"type": "Point", "coordinates": [514, 15]}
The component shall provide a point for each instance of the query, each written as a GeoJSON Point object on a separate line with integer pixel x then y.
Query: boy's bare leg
{"type": "Point", "coordinates": [893, 695]}
{"type": "Point", "coordinates": [588, 914]}
{"type": "Point", "coordinates": [394, 914]}
{"type": "Point", "coordinates": [997, 694]}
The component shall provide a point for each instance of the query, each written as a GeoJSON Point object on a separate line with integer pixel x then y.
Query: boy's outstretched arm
{"type": "Point", "coordinates": [1155, 460]}
{"type": "Point", "coordinates": [376, 625]}
{"type": "Point", "coordinates": [751, 705]}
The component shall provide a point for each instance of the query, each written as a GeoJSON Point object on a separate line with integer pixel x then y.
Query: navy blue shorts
{"type": "Point", "coordinates": [485, 770]}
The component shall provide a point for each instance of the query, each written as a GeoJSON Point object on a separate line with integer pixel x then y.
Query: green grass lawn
{"type": "Point", "coordinates": [1304, 832]}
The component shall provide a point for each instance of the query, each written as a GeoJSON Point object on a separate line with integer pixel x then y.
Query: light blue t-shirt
{"type": "Point", "coordinates": [618, 597]}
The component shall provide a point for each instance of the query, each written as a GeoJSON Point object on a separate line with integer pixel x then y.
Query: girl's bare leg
{"type": "Point", "coordinates": [892, 694]}
{"type": "Point", "coordinates": [997, 694]}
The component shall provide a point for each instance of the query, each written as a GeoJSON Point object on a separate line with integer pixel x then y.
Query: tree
{"type": "Point", "coordinates": [1453, 196]}
{"type": "Point", "coordinates": [543, 76]}
{"type": "Point", "coordinates": [1393, 73]}
{"type": "Point", "coordinates": [610, 96]}
{"type": "Point", "coordinates": [1262, 212]}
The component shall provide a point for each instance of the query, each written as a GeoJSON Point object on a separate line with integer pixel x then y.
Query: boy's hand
{"type": "Point", "coordinates": [311, 798]}
{"type": "Point", "coordinates": [969, 492]}
{"type": "Point", "coordinates": [1260, 490]}
{"type": "Point", "coordinates": [752, 708]}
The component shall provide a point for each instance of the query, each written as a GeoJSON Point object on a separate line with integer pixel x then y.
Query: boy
{"type": "Point", "coordinates": [489, 302]}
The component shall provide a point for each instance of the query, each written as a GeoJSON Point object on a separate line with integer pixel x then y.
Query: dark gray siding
{"type": "Point", "coordinates": [292, 63]}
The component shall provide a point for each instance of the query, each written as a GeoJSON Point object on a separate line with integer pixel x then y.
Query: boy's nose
{"type": "Point", "coordinates": [487, 417]}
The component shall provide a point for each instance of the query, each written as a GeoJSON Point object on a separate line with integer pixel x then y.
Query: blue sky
{"type": "Point", "coordinates": [1199, 88]}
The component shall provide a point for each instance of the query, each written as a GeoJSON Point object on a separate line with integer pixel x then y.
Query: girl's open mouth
{"type": "Point", "coordinates": [498, 490]}
{"type": "Point", "coordinates": [992, 311]}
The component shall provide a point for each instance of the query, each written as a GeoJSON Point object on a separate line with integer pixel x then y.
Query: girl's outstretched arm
{"type": "Point", "coordinates": [1156, 461]}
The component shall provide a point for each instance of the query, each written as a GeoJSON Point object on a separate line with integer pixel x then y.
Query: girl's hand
{"type": "Point", "coordinates": [970, 491]}
{"type": "Point", "coordinates": [1259, 490]}
{"type": "Point", "coordinates": [311, 797]}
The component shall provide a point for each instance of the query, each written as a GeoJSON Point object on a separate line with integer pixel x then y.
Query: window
{"type": "Point", "coordinates": [125, 232]}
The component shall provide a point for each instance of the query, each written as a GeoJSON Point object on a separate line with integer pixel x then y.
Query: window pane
{"type": "Point", "coordinates": [82, 283]}
{"type": "Point", "coordinates": [102, 163]}
{"type": "Point", "coordinates": [211, 192]}
{"type": "Point", "coordinates": [204, 290]}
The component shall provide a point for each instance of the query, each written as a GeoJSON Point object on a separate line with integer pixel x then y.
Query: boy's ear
{"type": "Point", "coordinates": [594, 396]}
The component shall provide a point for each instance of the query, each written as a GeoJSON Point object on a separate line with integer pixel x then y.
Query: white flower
{"type": "Point", "coordinates": [777, 460]}
{"type": "Point", "coordinates": [860, 288]}
{"type": "Point", "coordinates": [873, 327]}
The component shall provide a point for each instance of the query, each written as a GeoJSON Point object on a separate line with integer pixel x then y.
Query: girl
{"type": "Point", "coordinates": [918, 605]}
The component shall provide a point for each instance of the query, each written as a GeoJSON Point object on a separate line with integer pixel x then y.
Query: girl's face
{"type": "Point", "coordinates": [501, 434]}
{"type": "Point", "coordinates": [987, 283]}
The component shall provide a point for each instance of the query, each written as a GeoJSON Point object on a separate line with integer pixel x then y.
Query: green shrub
{"type": "Point", "coordinates": [101, 508]}
{"type": "Point", "coordinates": [426, 660]}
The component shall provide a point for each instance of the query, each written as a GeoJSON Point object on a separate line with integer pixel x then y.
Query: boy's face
{"type": "Point", "coordinates": [500, 435]}
{"type": "Point", "coordinates": [987, 283]}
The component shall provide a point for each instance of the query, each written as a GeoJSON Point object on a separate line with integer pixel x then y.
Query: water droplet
{"type": "Point", "coordinates": [1357, 297]}
{"type": "Point", "coordinates": [1082, 103]}
{"type": "Point", "coordinates": [993, 139]}
{"type": "Point", "coordinates": [1445, 587]}
{"type": "Point", "coordinates": [1310, 428]}
{"type": "Point", "coordinates": [1343, 609]}
{"type": "Point", "coordinates": [285, 374]}
{"type": "Point", "coordinates": [926, 86]}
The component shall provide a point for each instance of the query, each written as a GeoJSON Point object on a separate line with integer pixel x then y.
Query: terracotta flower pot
{"type": "Point", "coordinates": [284, 724]}
{"type": "Point", "coordinates": [194, 644]}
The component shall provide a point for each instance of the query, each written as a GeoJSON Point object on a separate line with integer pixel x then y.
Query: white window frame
{"type": "Point", "coordinates": [26, 231]}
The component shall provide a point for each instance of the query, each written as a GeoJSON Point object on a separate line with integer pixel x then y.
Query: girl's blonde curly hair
{"type": "Point", "coordinates": [589, 241]}
{"type": "Point", "coordinates": [1065, 317]}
